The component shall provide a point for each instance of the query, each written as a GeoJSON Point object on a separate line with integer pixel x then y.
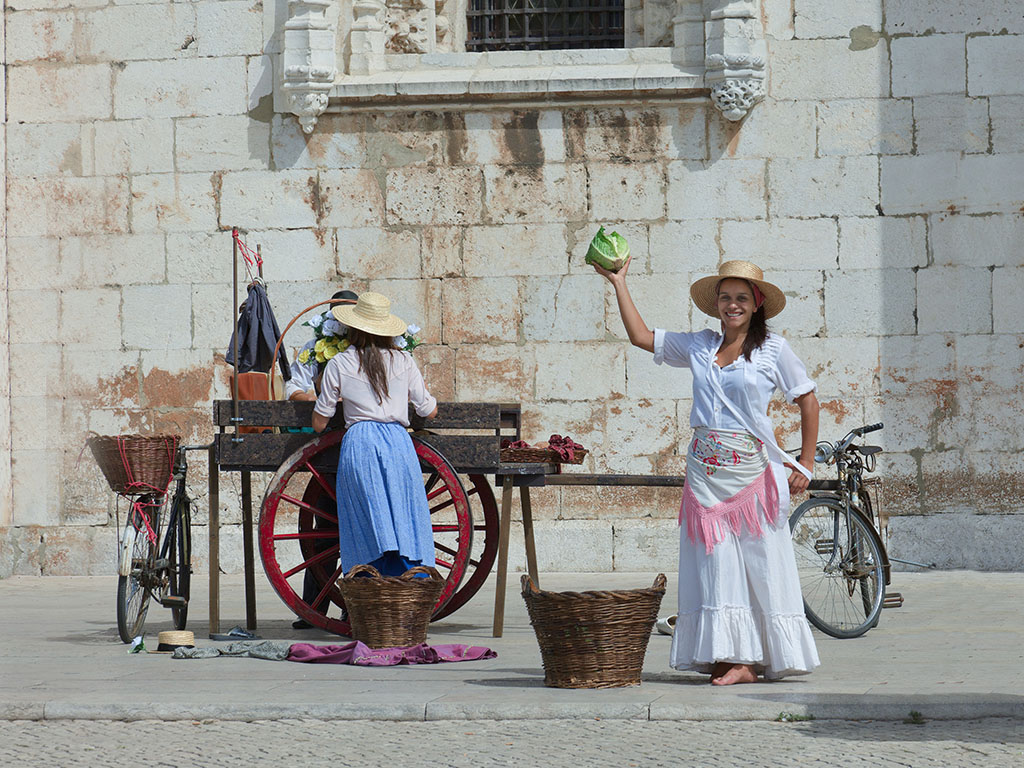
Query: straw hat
{"type": "Point", "coordinates": [168, 641]}
{"type": "Point", "coordinates": [372, 314]}
{"type": "Point", "coordinates": [704, 292]}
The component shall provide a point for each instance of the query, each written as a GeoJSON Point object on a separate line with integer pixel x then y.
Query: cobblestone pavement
{"type": "Point", "coordinates": [620, 744]}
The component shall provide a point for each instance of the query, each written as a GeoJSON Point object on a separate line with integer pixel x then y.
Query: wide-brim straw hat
{"type": "Point", "coordinates": [372, 314]}
{"type": "Point", "coordinates": [704, 291]}
{"type": "Point", "coordinates": [168, 641]}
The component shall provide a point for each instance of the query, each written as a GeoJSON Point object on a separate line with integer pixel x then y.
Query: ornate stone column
{"type": "Point", "coordinates": [688, 33]}
{"type": "Point", "coordinates": [367, 37]}
{"type": "Point", "coordinates": [736, 56]}
{"type": "Point", "coordinates": [308, 60]}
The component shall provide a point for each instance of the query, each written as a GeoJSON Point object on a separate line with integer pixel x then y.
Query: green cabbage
{"type": "Point", "coordinates": [608, 251]}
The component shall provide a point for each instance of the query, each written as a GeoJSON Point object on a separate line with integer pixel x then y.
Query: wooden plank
{"type": "Point", "coordinates": [480, 453]}
{"type": "Point", "coordinates": [285, 413]}
{"type": "Point", "coordinates": [459, 416]}
{"type": "Point", "coordinates": [670, 481]}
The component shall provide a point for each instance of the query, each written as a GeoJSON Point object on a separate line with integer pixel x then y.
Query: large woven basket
{"type": "Point", "coordinates": [135, 464]}
{"type": "Point", "coordinates": [389, 611]}
{"type": "Point", "coordinates": [593, 639]}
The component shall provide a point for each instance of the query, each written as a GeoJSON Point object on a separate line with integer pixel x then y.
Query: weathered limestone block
{"type": "Point", "coordinates": [441, 251]}
{"type": "Point", "coordinates": [170, 329]}
{"type": "Point", "coordinates": [67, 206]}
{"type": "Point", "coordinates": [374, 252]}
{"type": "Point", "coordinates": [573, 546]}
{"type": "Point", "coordinates": [663, 300]}
{"type": "Point", "coordinates": [200, 257]}
{"type": "Point", "coordinates": [91, 317]}
{"type": "Point", "coordinates": [350, 198]}
{"type": "Point", "coordinates": [758, 134]}
{"type": "Point", "coordinates": [870, 302]}
{"type": "Point", "coordinates": [815, 18]}
{"type": "Point", "coordinates": [1000, 473]}
{"type": "Point", "coordinates": [882, 242]}
{"type": "Point", "coordinates": [992, 368]}
{"type": "Point", "coordinates": [627, 191]}
{"type": "Point", "coordinates": [78, 551]}
{"type": "Point", "coordinates": [916, 16]}
{"type": "Point", "coordinates": [211, 326]}
{"type": "Point", "coordinates": [828, 69]}
{"type": "Point", "coordinates": [867, 127]}
{"type": "Point", "coordinates": [433, 195]}
{"type": "Point", "coordinates": [177, 378]}
{"type": "Point", "coordinates": [32, 316]}
{"type": "Point", "coordinates": [36, 498]}
{"type": "Point", "coordinates": [399, 139]}
{"type": "Point", "coordinates": [932, 64]}
{"type": "Point", "coordinates": [917, 365]}
{"type": "Point", "coordinates": [99, 260]}
{"type": "Point", "coordinates": [224, 143]}
{"type": "Point", "coordinates": [40, 35]}
{"type": "Point", "coordinates": [684, 247]}
{"type": "Point", "coordinates": [113, 33]}
{"type": "Point", "coordinates": [479, 310]}
{"type": "Point", "coordinates": [845, 186]}
{"type": "Point", "coordinates": [233, 28]}
{"type": "Point", "coordinates": [1007, 284]}
{"type": "Point", "coordinates": [804, 314]}
{"type": "Point", "coordinates": [33, 262]}
{"type": "Point", "coordinates": [583, 422]}
{"type": "Point", "coordinates": [552, 193]}
{"type": "Point", "coordinates": [181, 88]}
{"type": "Point", "coordinates": [134, 146]}
{"type": "Point", "coordinates": [994, 65]}
{"type": "Point", "coordinates": [779, 244]}
{"type": "Point", "coordinates": [988, 542]}
{"type": "Point", "coordinates": [515, 249]}
{"type": "Point", "coordinates": [19, 550]}
{"type": "Point", "coordinates": [520, 137]}
{"type": "Point", "coordinates": [36, 423]}
{"type": "Point", "coordinates": [339, 143]}
{"type": "Point", "coordinates": [437, 363]}
{"type": "Point", "coordinates": [418, 302]}
{"type": "Point", "coordinates": [646, 546]}
{"type": "Point", "coordinates": [563, 308]}
{"type": "Point", "coordinates": [580, 371]}
{"type": "Point", "coordinates": [841, 366]}
{"type": "Point", "coordinates": [951, 182]}
{"type": "Point", "coordinates": [46, 372]}
{"type": "Point", "coordinates": [634, 134]}
{"type": "Point", "coordinates": [1007, 115]}
{"type": "Point", "coordinates": [494, 373]}
{"type": "Point", "coordinates": [50, 149]}
{"type": "Point", "coordinates": [979, 241]}
{"type": "Point", "coordinates": [967, 303]}
{"type": "Point", "coordinates": [951, 124]}
{"type": "Point", "coordinates": [173, 202]}
{"type": "Point", "coordinates": [639, 428]}
{"type": "Point", "coordinates": [612, 504]}
{"type": "Point", "coordinates": [290, 254]}
{"type": "Point", "coordinates": [644, 379]}
{"type": "Point", "coordinates": [726, 189]}
{"type": "Point", "coordinates": [286, 199]}
{"type": "Point", "coordinates": [44, 93]}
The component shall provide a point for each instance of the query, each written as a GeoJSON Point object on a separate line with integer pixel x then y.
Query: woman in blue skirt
{"type": "Point", "coordinates": [383, 517]}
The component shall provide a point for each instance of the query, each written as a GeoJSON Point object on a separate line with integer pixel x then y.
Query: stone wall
{"type": "Point", "coordinates": [881, 184]}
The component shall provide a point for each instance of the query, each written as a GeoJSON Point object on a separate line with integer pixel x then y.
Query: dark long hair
{"type": "Point", "coordinates": [371, 349]}
{"type": "Point", "coordinates": [757, 333]}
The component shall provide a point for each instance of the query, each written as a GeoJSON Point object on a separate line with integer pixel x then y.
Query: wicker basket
{"type": "Point", "coordinates": [539, 456]}
{"type": "Point", "coordinates": [390, 612]}
{"type": "Point", "coordinates": [593, 639]}
{"type": "Point", "coordinates": [135, 464]}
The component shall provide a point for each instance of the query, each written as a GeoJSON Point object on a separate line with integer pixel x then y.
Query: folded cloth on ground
{"type": "Point", "coordinates": [361, 655]}
{"type": "Point", "coordinates": [273, 650]}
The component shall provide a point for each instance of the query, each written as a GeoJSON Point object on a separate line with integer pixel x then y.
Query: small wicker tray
{"type": "Point", "coordinates": [135, 464]}
{"type": "Point", "coordinates": [390, 612]}
{"type": "Point", "coordinates": [593, 639]}
{"type": "Point", "coordinates": [539, 456]}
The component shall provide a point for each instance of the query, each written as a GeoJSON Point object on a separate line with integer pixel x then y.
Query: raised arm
{"type": "Point", "coordinates": [639, 334]}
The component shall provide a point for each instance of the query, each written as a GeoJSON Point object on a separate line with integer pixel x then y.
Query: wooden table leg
{"type": "Point", "coordinates": [531, 551]}
{"type": "Point", "coordinates": [214, 542]}
{"type": "Point", "coordinates": [505, 528]}
{"type": "Point", "coordinates": [247, 554]}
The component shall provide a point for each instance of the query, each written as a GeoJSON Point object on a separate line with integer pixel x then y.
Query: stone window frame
{"type": "Point", "coordinates": [335, 58]}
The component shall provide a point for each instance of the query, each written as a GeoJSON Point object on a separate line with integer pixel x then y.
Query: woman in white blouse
{"type": "Point", "coordinates": [740, 608]}
{"type": "Point", "coordinates": [383, 516]}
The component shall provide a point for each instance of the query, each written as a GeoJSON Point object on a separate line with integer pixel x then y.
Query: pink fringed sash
{"type": "Point", "coordinates": [727, 474]}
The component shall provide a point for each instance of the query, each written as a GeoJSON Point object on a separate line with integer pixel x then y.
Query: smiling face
{"type": "Point", "coordinates": [735, 303]}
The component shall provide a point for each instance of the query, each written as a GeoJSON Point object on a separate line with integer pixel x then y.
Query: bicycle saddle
{"type": "Point", "coordinates": [869, 450]}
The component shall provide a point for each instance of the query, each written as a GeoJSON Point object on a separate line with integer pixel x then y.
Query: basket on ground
{"type": "Point", "coordinates": [593, 639]}
{"type": "Point", "coordinates": [389, 611]}
{"type": "Point", "coordinates": [135, 464]}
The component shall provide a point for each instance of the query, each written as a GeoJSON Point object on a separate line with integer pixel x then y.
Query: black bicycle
{"type": "Point", "coordinates": [155, 556]}
{"type": "Point", "coordinates": [843, 565]}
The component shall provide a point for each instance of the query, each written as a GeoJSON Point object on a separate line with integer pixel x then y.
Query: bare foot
{"type": "Point", "coordinates": [720, 669]}
{"type": "Point", "coordinates": [738, 673]}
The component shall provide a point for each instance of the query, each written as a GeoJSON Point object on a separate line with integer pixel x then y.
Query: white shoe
{"type": "Point", "coordinates": [666, 625]}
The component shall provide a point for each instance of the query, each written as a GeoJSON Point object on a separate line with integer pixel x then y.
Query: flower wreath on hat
{"type": "Point", "coordinates": [329, 340]}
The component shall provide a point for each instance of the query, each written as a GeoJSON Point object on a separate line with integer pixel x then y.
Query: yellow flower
{"type": "Point", "coordinates": [319, 347]}
{"type": "Point", "coordinates": [330, 352]}
{"type": "Point", "coordinates": [320, 357]}
{"type": "Point", "coordinates": [304, 356]}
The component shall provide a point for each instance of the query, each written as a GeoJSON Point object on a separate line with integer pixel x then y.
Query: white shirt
{"type": "Point", "coordinates": [302, 375]}
{"type": "Point", "coordinates": [345, 382]}
{"type": "Point", "coordinates": [747, 385]}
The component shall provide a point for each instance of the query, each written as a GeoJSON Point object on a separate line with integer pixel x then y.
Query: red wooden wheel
{"type": "Point", "coordinates": [299, 534]}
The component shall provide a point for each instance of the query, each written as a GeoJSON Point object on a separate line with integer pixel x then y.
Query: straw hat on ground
{"type": "Point", "coordinates": [704, 291]}
{"type": "Point", "coordinates": [372, 314]}
{"type": "Point", "coordinates": [168, 641]}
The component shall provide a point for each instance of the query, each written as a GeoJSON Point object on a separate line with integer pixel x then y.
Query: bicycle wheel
{"type": "Point", "coordinates": [132, 595]}
{"type": "Point", "coordinates": [840, 563]}
{"type": "Point", "coordinates": [179, 560]}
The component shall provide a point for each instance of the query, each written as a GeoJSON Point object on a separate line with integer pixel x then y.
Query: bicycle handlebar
{"type": "Point", "coordinates": [869, 428]}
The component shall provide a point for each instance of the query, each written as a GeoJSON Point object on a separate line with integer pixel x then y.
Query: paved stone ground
{"type": "Point", "coordinates": [623, 744]}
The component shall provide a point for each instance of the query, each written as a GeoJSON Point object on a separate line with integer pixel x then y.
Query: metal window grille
{"type": "Point", "coordinates": [527, 25]}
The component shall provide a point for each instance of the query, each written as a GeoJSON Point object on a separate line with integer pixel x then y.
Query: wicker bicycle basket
{"type": "Point", "coordinates": [135, 464]}
{"type": "Point", "coordinates": [593, 639]}
{"type": "Point", "coordinates": [389, 611]}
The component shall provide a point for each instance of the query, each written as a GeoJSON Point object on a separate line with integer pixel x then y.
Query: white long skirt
{"type": "Point", "coordinates": [741, 603]}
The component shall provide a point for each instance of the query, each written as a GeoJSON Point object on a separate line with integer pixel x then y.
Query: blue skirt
{"type": "Point", "coordinates": [382, 506]}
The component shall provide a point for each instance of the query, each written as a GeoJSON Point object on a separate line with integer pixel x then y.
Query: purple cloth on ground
{"type": "Point", "coordinates": [361, 655]}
